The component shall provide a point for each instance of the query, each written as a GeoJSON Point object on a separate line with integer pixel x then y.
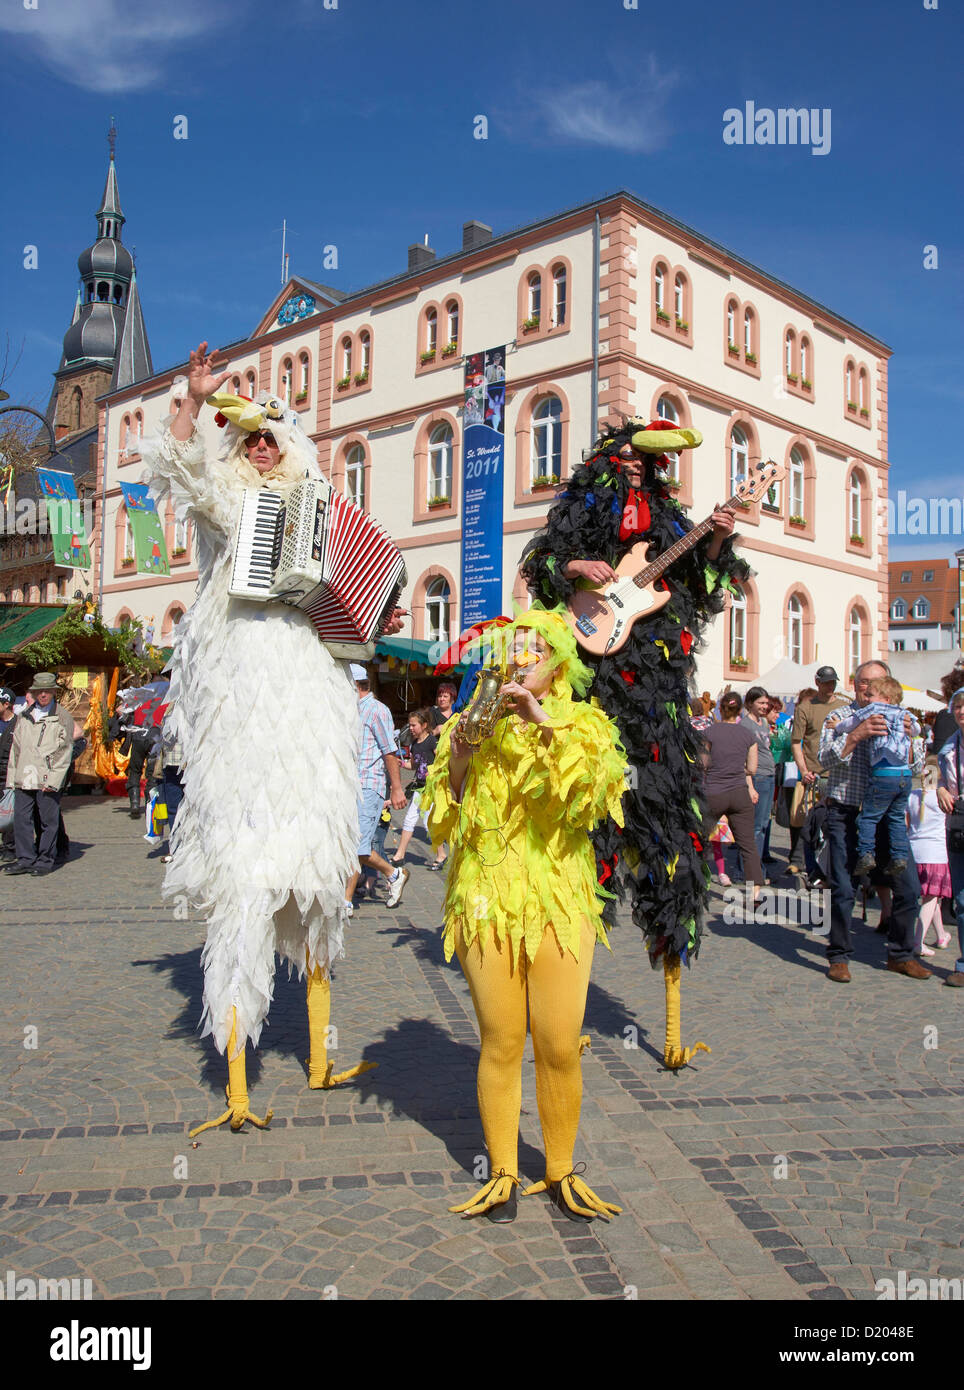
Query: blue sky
{"type": "Point", "coordinates": [355, 124]}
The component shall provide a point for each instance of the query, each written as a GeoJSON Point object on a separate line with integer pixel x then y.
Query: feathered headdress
{"type": "Point", "coordinates": [239, 416]}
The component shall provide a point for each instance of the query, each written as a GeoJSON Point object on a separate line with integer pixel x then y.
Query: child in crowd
{"type": "Point", "coordinates": [889, 783]}
{"type": "Point", "coordinates": [926, 830]}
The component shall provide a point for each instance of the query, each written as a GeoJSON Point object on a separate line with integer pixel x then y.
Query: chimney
{"type": "Point", "coordinates": [419, 255]}
{"type": "Point", "coordinates": [475, 234]}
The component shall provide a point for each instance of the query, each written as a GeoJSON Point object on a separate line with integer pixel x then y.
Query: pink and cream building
{"type": "Point", "coordinates": [612, 307]}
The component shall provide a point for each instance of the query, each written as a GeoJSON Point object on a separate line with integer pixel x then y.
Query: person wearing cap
{"type": "Point", "coordinates": [805, 746]}
{"type": "Point", "coordinates": [379, 767]}
{"type": "Point", "coordinates": [39, 761]}
{"type": "Point", "coordinates": [8, 719]}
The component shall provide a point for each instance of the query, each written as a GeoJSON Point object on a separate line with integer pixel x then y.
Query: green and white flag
{"type": "Point", "coordinates": [150, 548]}
{"type": "Point", "coordinates": [71, 550]}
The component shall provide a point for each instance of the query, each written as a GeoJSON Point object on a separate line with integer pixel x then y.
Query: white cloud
{"type": "Point", "coordinates": [109, 45]}
{"type": "Point", "coordinates": [623, 112]}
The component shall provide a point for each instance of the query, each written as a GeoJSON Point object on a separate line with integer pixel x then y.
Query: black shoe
{"type": "Point", "coordinates": [557, 1200]}
{"type": "Point", "coordinates": [20, 869]}
{"type": "Point", "coordinates": [506, 1211]}
{"type": "Point", "coordinates": [42, 873]}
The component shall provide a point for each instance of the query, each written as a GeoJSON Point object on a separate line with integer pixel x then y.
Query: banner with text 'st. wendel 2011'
{"type": "Point", "coordinates": [483, 457]}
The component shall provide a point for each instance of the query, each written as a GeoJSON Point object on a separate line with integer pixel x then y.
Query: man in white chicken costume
{"type": "Point", "coordinates": [266, 837]}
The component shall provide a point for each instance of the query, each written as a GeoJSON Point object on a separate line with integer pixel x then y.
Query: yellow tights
{"type": "Point", "coordinates": [552, 988]}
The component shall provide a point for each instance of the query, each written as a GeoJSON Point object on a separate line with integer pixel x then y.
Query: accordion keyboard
{"type": "Point", "coordinates": [257, 541]}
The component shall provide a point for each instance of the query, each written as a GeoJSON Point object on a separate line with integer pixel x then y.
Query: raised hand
{"type": "Point", "coordinates": [202, 379]}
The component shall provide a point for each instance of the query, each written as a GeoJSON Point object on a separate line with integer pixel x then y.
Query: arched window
{"type": "Point", "coordinates": [731, 323]}
{"type": "Point", "coordinates": [898, 609]}
{"type": "Point", "coordinates": [738, 652]}
{"type": "Point", "coordinates": [62, 587]}
{"type": "Point", "coordinates": [346, 357]}
{"type": "Point", "coordinates": [118, 294]}
{"type": "Point", "coordinates": [534, 303]}
{"type": "Point", "coordinates": [864, 399]}
{"type": "Point", "coordinates": [90, 291]}
{"type": "Point", "coordinates": [440, 464]}
{"type": "Point", "coordinates": [849, 377]}
{"type": "Point", "coordinates": [128, 538]}
{"type": "Point", "coordinates": [431, 330]}
{"type": "Point", "coordinates": [103, 292]}
{"type": "Point", "coordinates": [666, 410]}
{"type": "Point", "coordinates": [438, 599]}
{"type": "Point", "coordinates": [236, 385]}
{"type": "Point", "coordinates": [180, 537]}
{"type": "Point", "coordinates": [365, 351]}
{"type": "Point", "coordinates": [739, 457]}
{"type": "Point", "coordinates": [659, 288]}
{"type": "Point", "coordinates": [788, 353]}
{"type": "Point", "coordinates": [854, 634]}
{"type": "Point", "coordinates": [287, 380]}
{"type": "Point", "coordinates": [76, 407]}
{"type": "Point", "coordinates": [176, 615]}
{"type": "Point", "coordinates": [303, 368]}
{"type": "Point", "coordinates": [251, 385]}
{"type": "Point", "coordinates": [748, 330]}
{"type": "Point", "coordinates": [355, 476]}
{"type": "Point", "coordinates": [804, 360]}
{"type": "Point", "coordinates": [559, 296]}
{"type": "Point", "coordinates": [797, 484]}
{"type": "Point", "coordinates": [139, 425]}
{"type": "Point", "coordinates": [795, 629]}
{"type": "Point", "coordinates": [33, 594]}
{"type": "Point", "coordinates": [853, 504]}
{"type": "Point", "coordinates": [547, 438]}
{"type": "Point", "coordinates": [679, 296]}
{"type": "Point", "coordinates": [921, 609]}
{"type": "Point", "coordinates": [452, 321]}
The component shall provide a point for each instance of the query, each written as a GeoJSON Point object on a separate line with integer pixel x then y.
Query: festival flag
{"type": "Point", "coordinates": [150, 547]}
{"type": "Point", "coordinates": [64, 515]}
{"type": "Point", "coordinates": [483, 456]}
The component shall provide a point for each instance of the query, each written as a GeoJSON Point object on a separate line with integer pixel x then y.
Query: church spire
{"type": "Point", "coordinates": [110, 218]}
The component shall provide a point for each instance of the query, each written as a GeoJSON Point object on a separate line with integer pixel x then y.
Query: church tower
{"type": "Point", "coordinates": [106, 345]}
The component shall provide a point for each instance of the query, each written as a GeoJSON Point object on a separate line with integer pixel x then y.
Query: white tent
{"type": "Point", "coordinates": [785, 678]}
{"type": "Point", "coordinates": [919, 699]}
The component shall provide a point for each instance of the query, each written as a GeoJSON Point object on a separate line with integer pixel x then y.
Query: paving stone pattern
{"type": "Point", "coordinates": [818, 1148]}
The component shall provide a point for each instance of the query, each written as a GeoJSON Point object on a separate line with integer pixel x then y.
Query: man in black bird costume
{"type": "Point", "coordinates": [614, 502]}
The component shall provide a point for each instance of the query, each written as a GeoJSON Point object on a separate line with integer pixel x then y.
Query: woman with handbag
{"type": "Point", "coordinates": [950, 796]}
{"type": "Point", "coordinates": [422, 753]}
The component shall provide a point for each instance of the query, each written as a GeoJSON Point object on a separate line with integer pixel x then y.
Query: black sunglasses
{"type": "Point", "coordinates": [257, 435]}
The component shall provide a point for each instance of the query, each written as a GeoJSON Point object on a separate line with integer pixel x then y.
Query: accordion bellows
{"type": "Point", "coordinates": [267, 834]}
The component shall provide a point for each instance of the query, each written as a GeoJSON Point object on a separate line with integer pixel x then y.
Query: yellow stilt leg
{"type": "Point", "coordinates": [674, 1054]}
{"type": "Point", "coordinates": [236, 1090]}
{"type": "Point", "coordinates": [320, 1076]}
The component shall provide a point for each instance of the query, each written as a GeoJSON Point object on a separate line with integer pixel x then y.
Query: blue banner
{"type": "Point", "coordinates": [483, 460]}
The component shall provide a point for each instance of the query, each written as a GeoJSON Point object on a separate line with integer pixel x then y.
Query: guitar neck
{"type": "Point", "coordinates": [650, 573]}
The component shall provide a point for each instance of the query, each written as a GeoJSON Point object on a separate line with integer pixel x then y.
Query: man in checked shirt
{"type": "Point", "coordinates": [846, 759]}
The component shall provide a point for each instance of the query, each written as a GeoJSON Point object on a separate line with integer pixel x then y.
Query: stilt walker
{"type": "Point", "coordinates": [619, 499]}
{"type": "Point", "coordinates": [266, 835]}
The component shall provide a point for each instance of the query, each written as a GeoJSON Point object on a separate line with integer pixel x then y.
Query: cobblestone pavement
{"type": "Point", "coordinates": [816, 1150]}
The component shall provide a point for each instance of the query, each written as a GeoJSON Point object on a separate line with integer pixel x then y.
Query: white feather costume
{"type": "Point", "coordinates": [267, 834]}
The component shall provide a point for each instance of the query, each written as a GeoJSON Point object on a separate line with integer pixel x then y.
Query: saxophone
{"type": "Point", "coordinates": [486, 707]}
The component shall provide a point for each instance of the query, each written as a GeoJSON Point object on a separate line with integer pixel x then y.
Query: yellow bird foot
{"type": "Point", "coordinates": [676, 1057]}
{"type": "Point", "coordinates": [575, 1195]}
{"type": "Point", "coordinates": [495, 1192]}
{"type": "Point", "coordinates": [319, 1080]}
{"type": "Point", "coordinates": [237, 1112]}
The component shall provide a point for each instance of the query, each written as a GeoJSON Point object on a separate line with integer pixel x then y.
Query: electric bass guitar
{"type": "Point", "coordinates": [602, 618]}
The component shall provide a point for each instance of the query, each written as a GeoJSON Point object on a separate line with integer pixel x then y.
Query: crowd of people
{"type": "Point", "coordinates": [868, 793]}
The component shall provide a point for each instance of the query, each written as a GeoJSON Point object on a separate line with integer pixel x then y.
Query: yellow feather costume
{"type": "Point", "coordinates": [523, 909]}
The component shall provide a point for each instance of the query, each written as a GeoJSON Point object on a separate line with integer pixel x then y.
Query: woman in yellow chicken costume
{"type": "Point", "coordinates": [522, 910]}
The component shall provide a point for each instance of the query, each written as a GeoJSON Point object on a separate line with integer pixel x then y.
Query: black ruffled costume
{"type": "Point", "coordinates": [645, 687]}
